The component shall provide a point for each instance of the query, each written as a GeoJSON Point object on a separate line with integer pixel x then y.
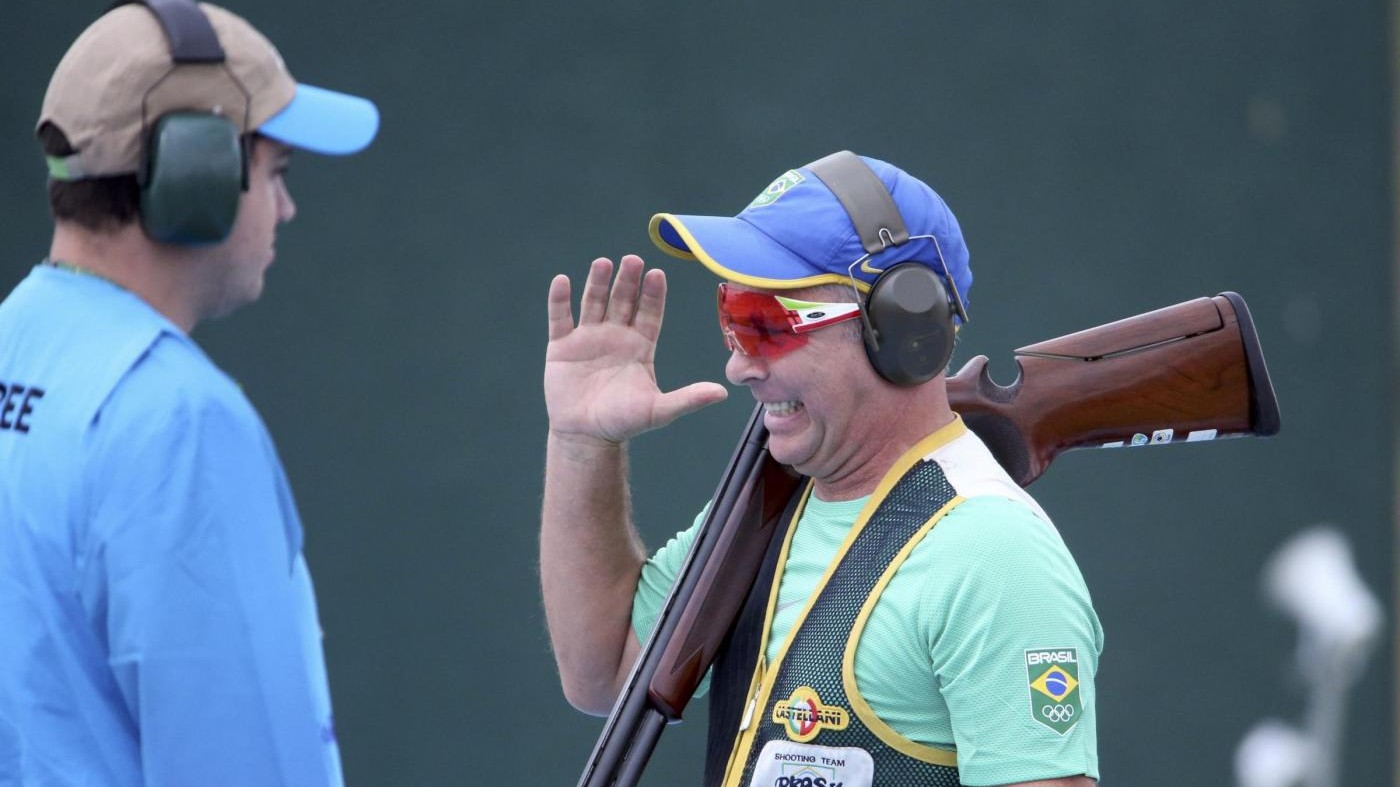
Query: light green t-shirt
{"type": "Point", "coordinates": [943, 660]}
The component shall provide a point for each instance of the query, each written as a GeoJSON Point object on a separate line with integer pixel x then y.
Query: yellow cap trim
{"type": "Point", "coordinates": [698, 253]}
{"type": "Point", "coordinates": [654, 230]}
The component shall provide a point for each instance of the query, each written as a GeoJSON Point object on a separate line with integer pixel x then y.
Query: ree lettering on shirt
{"type": "Point", "coordinates": [17, 404]}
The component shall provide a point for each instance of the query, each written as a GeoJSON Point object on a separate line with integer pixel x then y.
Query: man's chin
{"type": "Point", "coordinates": [789, 452]}
{"type": "Point", "coordinates": [234, 303]}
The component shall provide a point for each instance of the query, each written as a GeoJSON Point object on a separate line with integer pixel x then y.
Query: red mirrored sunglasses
{"type": "Point", "coordinates": [763, 325]}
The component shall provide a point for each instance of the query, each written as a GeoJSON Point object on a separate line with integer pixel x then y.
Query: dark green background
{"type": "Point", "coordinates": [1104, 159]}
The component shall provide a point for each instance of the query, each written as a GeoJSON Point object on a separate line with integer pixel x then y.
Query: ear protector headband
{"type": "Point", "coordinates": [195, 164]}
{"type": "Point", "coordinates": [908, 315]}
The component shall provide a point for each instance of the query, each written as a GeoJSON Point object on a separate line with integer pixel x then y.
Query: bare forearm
{"type": "Point", "coordinates": [600, 390]}
{"type": "Point", "coordinates": [590, 558]}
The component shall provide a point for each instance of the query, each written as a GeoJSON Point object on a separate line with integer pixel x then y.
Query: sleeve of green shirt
{"type": "Point", "coordinates": [1006, 606]}
{"type": "Point", "coordinates": [658, 575]}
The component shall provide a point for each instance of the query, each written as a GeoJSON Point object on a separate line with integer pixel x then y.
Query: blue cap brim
{"type": "Point", "coordinates": [324, 121]}
{"type": "Point", "coordinates": [737, 251]}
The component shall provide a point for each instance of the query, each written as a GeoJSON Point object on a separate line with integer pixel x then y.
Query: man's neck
{"type": "Point", "coordinates": [879, 451]}
{"type": "Point", "coordinates": [159, 275]}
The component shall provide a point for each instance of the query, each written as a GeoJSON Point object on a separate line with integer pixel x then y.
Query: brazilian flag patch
{"type": "Point", "coordinates": [1054, 685]}
{"type": "Point", "coordinates": [777, 189]}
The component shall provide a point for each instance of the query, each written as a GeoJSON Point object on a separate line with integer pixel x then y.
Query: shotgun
{"type": "Point", "coordinates": [1185, 373]}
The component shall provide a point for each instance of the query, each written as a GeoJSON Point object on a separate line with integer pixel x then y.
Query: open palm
{"type": "Point", "coordinates": [599, 375]}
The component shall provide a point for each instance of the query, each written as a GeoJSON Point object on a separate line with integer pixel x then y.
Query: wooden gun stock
{"type": "Point", "coordinates": [722, 587]}
{"type": "Point", "coordinates": [1183, 373]}
{"type": "Point", "coordinates": [1188, 372]}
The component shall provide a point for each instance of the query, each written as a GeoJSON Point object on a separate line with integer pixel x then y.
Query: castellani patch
{"type": "Point", "coordinates": [1053, 674]}
{"type": "Point", "coordinates": [803, 715]}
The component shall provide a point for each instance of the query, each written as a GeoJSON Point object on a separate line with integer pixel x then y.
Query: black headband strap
{"type": "Point", "coordinates": [187, 29]}
{"type": "Point", "coordinates": [865, 198]}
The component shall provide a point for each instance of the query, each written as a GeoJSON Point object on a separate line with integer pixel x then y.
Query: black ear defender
{"type": "Point", "coordinates": [195, 164]}
{"type": "Point", "coordinates": [908, 315]}
{"type": "Point", "coordinates": [909, 333]}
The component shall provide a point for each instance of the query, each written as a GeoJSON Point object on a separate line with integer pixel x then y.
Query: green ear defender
{"type": "Point", "coordinates": [194, 176]}
{"type": "Point", "coordinates": [196, 164]}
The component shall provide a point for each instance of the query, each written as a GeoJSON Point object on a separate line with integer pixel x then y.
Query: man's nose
{"type": "Point", "coordinates": [741, 369]}
{"type": "Point", "coordinates": [287, 206]}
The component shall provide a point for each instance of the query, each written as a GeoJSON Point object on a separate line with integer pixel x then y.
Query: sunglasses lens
{"type": "Point", "coordinates": [755, 324]}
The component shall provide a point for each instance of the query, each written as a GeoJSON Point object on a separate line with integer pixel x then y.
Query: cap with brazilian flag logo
{"type": "Point", "coordinates": [796, 233]}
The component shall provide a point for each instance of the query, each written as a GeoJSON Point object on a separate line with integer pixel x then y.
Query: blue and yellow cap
{"type": "Point", "coordinates": [796, 233]}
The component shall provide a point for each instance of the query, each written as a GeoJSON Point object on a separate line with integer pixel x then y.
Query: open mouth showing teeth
{"type": "Point", "coordinates": [782, 408]}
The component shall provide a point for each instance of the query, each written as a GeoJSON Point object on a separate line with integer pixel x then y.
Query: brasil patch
{"type": "Point", "coordinates": [777, 189]}
{"type": "Point", "coordinates": [1054, 684]}
{"type": "Point", "coordinates": [803, 715]}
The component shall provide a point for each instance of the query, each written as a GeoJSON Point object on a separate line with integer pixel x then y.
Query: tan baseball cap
{"type": "Point", "coordinates": [119, 76]}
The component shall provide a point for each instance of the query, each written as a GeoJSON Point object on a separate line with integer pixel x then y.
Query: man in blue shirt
{"type": "Point", "coordinates": [159, 626]}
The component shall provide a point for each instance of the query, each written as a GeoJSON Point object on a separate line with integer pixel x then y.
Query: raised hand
{"type": "Point", "coordinates": [599, 375]}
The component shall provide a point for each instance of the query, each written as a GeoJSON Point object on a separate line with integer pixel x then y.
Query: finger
{"type": "Point", "coordinates": [561, 315]}
{"type": "Point", "coordinates": [685, 400]}
{"type": "Point", "coordinates": [593, 306]}
{"type": "Point", "coordinates": [622, 306]}
{"type": "Point", "coordinates": [651, 307]}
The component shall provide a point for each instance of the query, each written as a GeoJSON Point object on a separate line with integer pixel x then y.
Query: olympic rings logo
{"type": "Point", "coordinates": [1057, 713]}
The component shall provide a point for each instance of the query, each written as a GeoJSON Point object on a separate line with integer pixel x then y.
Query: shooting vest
{"type": "Point", "coordinates": [801, 722]}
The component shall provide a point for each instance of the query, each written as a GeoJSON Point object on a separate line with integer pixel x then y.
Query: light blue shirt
{"type": "Point", "coordinates": [157, 621]}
